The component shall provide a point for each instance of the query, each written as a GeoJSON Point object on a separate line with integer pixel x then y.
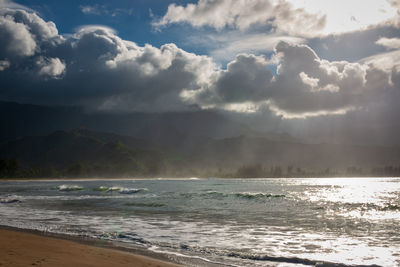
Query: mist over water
{"type": "Point", "coordinates": [240, 222]}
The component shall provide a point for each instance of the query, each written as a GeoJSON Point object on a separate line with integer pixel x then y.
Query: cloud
{"type": "Point", "coordinates": [24, 33]}
{"type": "Point", "coordinates": [4, 64]}
{"type": "Point", "coordinates": [390, 43]}
{"type": "Point", "coordinates": [293, 17]}
{"type": "Point", "coordinates": [93, 10]}
{"type": "Point", "coordinates": [350, 16]}
{"type": "Point", "coordinates": [246, 78]}
{"type": "Point", "coordinates": [93, 67]}
{"type": "Point", "coordinates": [97, 69]}
{"type": "Point", "coordinates": [388, 60]}
{"type": "Point", "coordinates": [11, 5]}
{"type": "Point", "coordinates": [304, 85]}
{"type": "Point", "coordinates": [98, 10]}
{"type": "Point", "coordinates": [52, 67]}
{"type": "Point", "coordinates": [17, 40]}
{"type": "Point", "coordinates": [225, 47]}
{"type": "Point", "coordinates": [242, 14]}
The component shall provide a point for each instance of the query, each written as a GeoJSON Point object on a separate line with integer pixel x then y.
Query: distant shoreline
{"type": "Point", "coordinates": [25, 247]}
{"type": "Point", "coordinates": [177, 178]}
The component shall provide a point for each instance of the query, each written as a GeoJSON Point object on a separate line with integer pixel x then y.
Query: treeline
{"type": "Point", "coordinates": [259, 171]}
{"type": "Point", "coordinates": [11, 168]}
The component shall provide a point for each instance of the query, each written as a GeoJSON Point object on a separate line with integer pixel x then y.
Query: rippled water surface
{"type": "Point", "coordinates": [239, 222]}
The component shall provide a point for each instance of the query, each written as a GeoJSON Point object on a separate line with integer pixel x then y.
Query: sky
{"type": "Point", "coordinates": [326, 69]}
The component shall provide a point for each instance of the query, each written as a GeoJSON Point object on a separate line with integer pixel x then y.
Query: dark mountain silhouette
{"type": "Point", "coordinates": [163, 128]}
{"type": "Point", "coordinates": [97, 153]}
{"type": "Point", "coordinates": [105, 154]}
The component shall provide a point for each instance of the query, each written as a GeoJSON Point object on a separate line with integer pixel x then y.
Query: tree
{"type": "Point", "coordinates": [8, 167]}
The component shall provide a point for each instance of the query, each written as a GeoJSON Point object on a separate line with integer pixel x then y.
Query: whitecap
{"type": "Point", "coordinates": [68, 188]}
{"type": "Point", "coordinates": [125, 190]}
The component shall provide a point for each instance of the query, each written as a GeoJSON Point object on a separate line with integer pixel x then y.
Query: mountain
{"type": "Point", "coordinates": [82, 151]}
{"type": "Point", "coordinates": [90, 153]}
{"type": "Point", "coordinates": [242, 150]}
{"type": "Point", "coordinates": [162, 128]}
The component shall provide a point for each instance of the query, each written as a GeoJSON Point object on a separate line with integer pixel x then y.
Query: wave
{"type": "Point", "coordinates": [121, 190]}
{"type": "Point", "coordinates": [150, 205]}
{"type": "Point", "coordinates": [382, 207]}
{"type": "Point", "coordinates": [68, 188]}
{"type": "Point", "coordinates": [294, 260]}
{"type": "Point", "coordinates": [131, 190]}
{"type": "Point", "coordinates": [371, 206]}
{"type": "Point", "coordinates": [244, 195]}
{"type": "Point", "coordinates": [9, 199]}
{"type": "Point", "coordinates": [257, 195]}
{"type": "Point", "coordinates": [101, 188]}
{"type": "Point", "coordinates": [214, 193]}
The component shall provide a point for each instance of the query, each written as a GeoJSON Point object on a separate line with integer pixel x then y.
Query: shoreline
{"type": "Point", "coordinates": [176, 178]}
{"type": "Point", "coordinates": [25, 247]}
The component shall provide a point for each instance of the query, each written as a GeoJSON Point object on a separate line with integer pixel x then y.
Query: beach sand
{"type": "Point", "coordinates": [27, 249]}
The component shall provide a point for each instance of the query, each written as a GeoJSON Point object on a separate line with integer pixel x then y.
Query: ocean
{"type": "Point", "coordinates": [227, 222]}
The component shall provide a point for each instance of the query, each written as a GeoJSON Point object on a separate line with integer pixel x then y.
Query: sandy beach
{"type": "Point", "coordinates": [27, 249]}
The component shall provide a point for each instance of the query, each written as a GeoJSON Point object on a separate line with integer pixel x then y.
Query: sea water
{"type": "Point", "coordinates": [234, 222]}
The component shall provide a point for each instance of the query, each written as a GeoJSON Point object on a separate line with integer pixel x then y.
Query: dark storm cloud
{"type": "Point", "coordinates": [95, 68]}
{"type": "Point", "coordinates": [304, 84]}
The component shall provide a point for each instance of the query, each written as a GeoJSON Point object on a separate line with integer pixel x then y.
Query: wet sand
{"type": "Point", "coordinates": [26, 249]}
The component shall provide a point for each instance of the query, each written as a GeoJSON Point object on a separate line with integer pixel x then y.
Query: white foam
{"type": "Point", "coordinates": [126, 190]}
{"type": "Point", "coordinates": [67, 188]}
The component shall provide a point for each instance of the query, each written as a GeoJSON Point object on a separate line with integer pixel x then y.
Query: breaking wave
{"type": "Point", "coordinates": [121, 190]}
{"type": "Point", "coordinates": [68, 188]}
{"type": "Point", "coordinates": [9, 199]}
{"type": "Point", "coordinates": [243, 195]}
{"type": "Point", "coordinates": [294, 260]}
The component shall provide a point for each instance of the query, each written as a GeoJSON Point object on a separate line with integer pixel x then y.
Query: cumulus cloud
{"type": "Point", "coordinates": [388, 60]}
{"type": "Point", "coordinates": [52, 67]}
{"type": "Point", "coordinates": [294, 17]}
{"type": "Point", "coordinates": [17, 40]}
{"type": "Point", "coordinates": [391, 43]}
{"type": "Point", "coordinates": [246, 78]}
{"type": "Point", "coordinates": [93, 67]}
{"type": "Point", "coordinates": [97, 69]}
{"type": "Point", "coordinates": [303, 86]}
{"type": "Point", "coordinates": [241, 14]}
{"type": "Point", "coordinates": [24, 33]}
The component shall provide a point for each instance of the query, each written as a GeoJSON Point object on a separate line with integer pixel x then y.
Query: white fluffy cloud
{"type": "Point", "coordinates": [52, 67]}
{"type": "Point", "coordinates": [391, 43]}
{"type": "Point", "coordinates": [17, 40]}
{"type": "Point", "coordinates": [242, 14]}
{"type": "Point", "coordinates": [389, 60]}
{"type": "Point", "coordinates": [294, 17]}
{"type": "Point", "coordinates": [24, 33]}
